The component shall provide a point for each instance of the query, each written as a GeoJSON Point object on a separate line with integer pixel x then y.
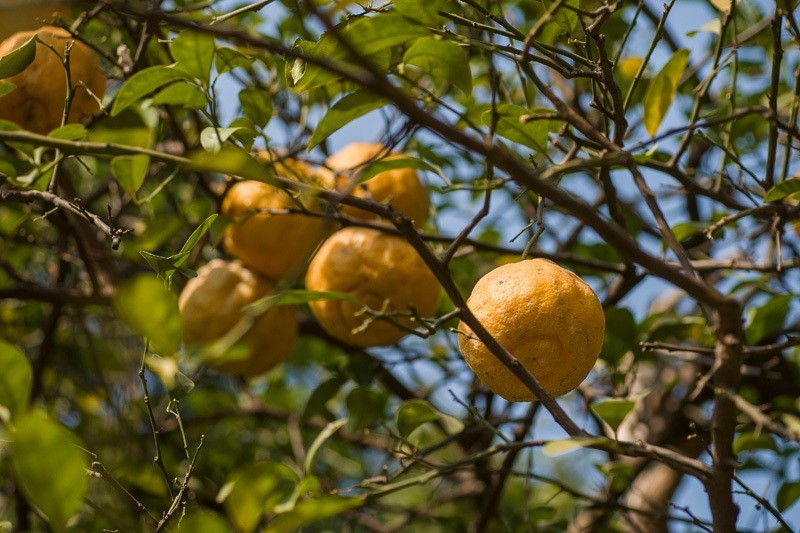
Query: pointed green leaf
{"type": "Point", "coordinates": [510, 124]}
{"type": "Point", "coordinates": [372, 34]}
{"type": "Point", "coordinates": [767, 319]}
{"type": "Point", "coordinates": [308, 512]}
{"type": "Point", "coordinates": [70, 132]}
{"type": "Point", "coordinates": [143, 83]}
{"type": "Point", "coordinates": [365, 408]}
{"type": "Point", "coordinates": [412, 414]}
{"type": "Point", "coordinates": [18, 60]}
{"type": "Point", "coordinates": [620, 335]}
{"type": "Point", "coordinates": [754, 441]}
{"type": "Point", "coordinates": [782, 190]}
{"type": "Point", "coordinates": [228, 59]}
{"type": "Point", "coordinates": [50, 466]}
{"type": "Point", "coordinates": [15, 381]}
{"type": "Point", "coordinates": [151, 310]}
{"type": "Point", "coordinates": [194, 53]}
{"type": "Point", "coordinates": [788, 494]}
{"type": "Point", "coordinates": [613, 411]}
{"type": "Point", "coordinates": [194, 238]}
{"type": "Point", "coordinates": [662, 89]}
{"type": "Point", "coordinates": [373, 169]}
{"type": "Point", "coordinates": [425, 11]}
{"type": "Point", "coordinates": [254, 490]}
{"type": "Point", "coordinates": [321, 396]}
{"type": "Point", "coordinates": [443, 60]}
{"type": "Point", "coordinates": [130, 171]}
{"type": "Point", "coordinates": [256, 105]}
{"type": "Point", "coordinates": [183, 94]}
{"type": "Point", "coordinates": [344, 111]}
{"type": "Point", "coordinates": [233, 161]}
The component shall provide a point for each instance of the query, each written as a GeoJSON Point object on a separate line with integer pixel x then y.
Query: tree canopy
{"type": "Point", "coordinates": [648, 148]}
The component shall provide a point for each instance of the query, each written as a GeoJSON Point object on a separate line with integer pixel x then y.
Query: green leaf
{"type": "Point", "coordinates": [203, 521]}
{"type": "Point", "coordinates": [322, 395]}
{"type": "Point", "coordinates": [233, 161]}
{"type": "Point", "coordinates": [50, 466]}
{"type": "Point", "coordinates": [782, 190]}
{"type": "Point", "coordinates": [412, 414]}
{"type": "Point", "coordinates": [70, 132]}
{"type": "Point", "coordinates": [613, 411]}
{"type": "Point", "coordinates": [443, 60]}
{"type": "Point", "coordinates": [254, 490]}
{"type": "Point", "coordinates": [143, 83]}
{"type": "Point", "coordinates": [130, 171]}
{"type": "Point", "coordinates": [131, 128]}
{"type": "Point", "coordinates": [566, 18]}
{"type": "Point", "coordinates": [373, 34]}
{"type": "Point", "coordinates": [18, 60]}
{"type": "Point", "coordinates": [373, 169]}
{"type": "Point", "coordinates": [151, 310]}
{"type": "Point", "coordinates": [15, 381]}
{"type": "Point", "coordinates": [345, 110]}
{"type": "Point", "coordinates": [229, 58]}
{"type": "Point", "coordinates": [751, 441]}
{"type": "Point", "coordinates": [788, 494]}
{"type": "Point", "coordinates": [303, 76]}
{"type": "Point", "coordinates": [365, 407]}
{"type": "Point", "coordinates": [165, 266]}
{"type": "Point", "coordinates": [194, 53]}
{"type": "Point", "coordinates": [256, 105]}
{"type": "Point", "coordinates": [425, 11]}
{"type": "Point", "coordinates": [767, 320]}
{"type": "Point", "coordinates": [532, 134]}
{"type": "Point", "coordinates": [6, 87]}
{"type": "Point", "coordinates": [194, 238]}
{"type": "Point", "coordinates": [326, 433]}
{"type": "Point", "coordinates": [620, 336]}
{"type": "Point", "coordinates": [662, 89]}
{"type": "Point", "coordinates": [183, 94]}
{"type": "Point", "coordinates": [297, 297]}
{"type": "Point", "coordinates": [212, 138]}
{"type": "Point", "coordinates": [541, 513]}
{"type": "Point", "coordinates": [311, 511]}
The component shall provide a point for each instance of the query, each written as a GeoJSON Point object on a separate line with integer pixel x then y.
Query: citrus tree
{"type": "Point", "coordinates": [239, 241]}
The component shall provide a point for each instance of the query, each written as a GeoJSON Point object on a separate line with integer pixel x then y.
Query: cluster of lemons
{"type": "Point", "coordinates": [545, 315]}
{"type": "Point", "coordinates": [383, 286]}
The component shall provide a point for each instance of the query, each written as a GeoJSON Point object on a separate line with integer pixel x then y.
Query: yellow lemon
{"type": "Point", "coordinates": [544, 315]}
{"type": "Point", "coordinates": [377, 269]}
{"type": "Point", "coordinates": [263, 235]}
{"type": "Point", "coordinates": [37, 104]}
{"type": "Point", "coordinates": [400, 187]}
{"type": "Point", "coordinates": [211, 305]}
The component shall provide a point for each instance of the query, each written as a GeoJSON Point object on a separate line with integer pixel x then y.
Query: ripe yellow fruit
{"type": "Point", "coordinates": [37, 104]}
{"type": "Point", "coordinates": [274, 244]}
{"type": "Point", "coordinates": [546, 316]}
{"type": "Point", "coordinates": [211, 305]}
{"type": "Point", "coordinates": [374, 267]}
{"type": "Point", "coordinates": [22, 15]}
{"type": "Point", "coordinates": [400, 187]}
